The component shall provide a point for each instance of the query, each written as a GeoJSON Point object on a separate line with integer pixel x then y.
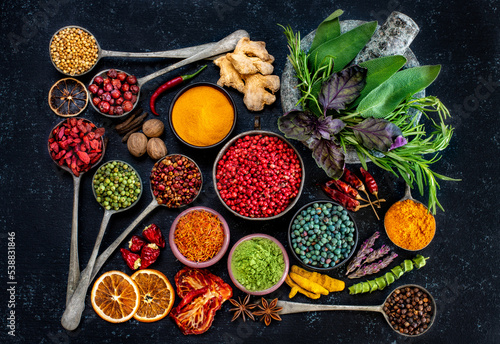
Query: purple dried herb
{"type": "Point", "coordinates": [364, 251]}
{"type": "Point", "coordinates": [380, 134]}
{"type": "Point", "coordinates": [377, 254]}
{"type": "Point", "coordinates": [342, 88]}
{"type": "Point", "coordinates": [373, 268]}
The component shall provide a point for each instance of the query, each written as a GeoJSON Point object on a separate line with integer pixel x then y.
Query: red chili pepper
{"type": "Point", "coordinates": [345, 188]}
{"type": "Point", "coordinates": [351, 179]}
{"type": "Point", "coordinates": [168, 85]}
{"type": "Point", "coordinates": [153, 234]}
{"type": "Point", "coordinates": [136, 243]}
{"type": "Point", "coordinates": [344, 200]}
{"type": "Point", "coordinates": [149, 254]}
{"type": "Point", "coordinates": [371, 184]}
{"type": "Point", "coordinates": [133, 260]}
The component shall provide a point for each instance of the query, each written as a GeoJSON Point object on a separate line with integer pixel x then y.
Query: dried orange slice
{"type": "Point", "coordinates": [115, 297]}
{"type": "Point", "coordinates": [68, 97]}
{"type": "Point", "coordinates": [156, 294]}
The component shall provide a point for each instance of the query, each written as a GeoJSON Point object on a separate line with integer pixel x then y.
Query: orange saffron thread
{"type": "Point", "coordinates": [199, 235]}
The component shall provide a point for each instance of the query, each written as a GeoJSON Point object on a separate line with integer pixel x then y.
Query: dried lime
{"type": "Point", "coordinates": [68, 97]}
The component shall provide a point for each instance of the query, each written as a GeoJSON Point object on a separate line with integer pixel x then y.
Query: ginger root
{"type": "Point", "coordinates": [248, 69]}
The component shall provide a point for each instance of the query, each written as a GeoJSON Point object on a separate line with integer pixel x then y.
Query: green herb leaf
{"type": "Point", "coordinates": [379, 70]}
{"type": "Point", "coordinates": [328, 29]}
{"type": "Point", "coordinates": [388, 96]}
{"type": "Point", "coordinates": [344, 48]}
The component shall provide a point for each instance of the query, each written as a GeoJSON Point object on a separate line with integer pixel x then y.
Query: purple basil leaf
{"type": "Point", "coordinates": [328, 126]}
{"type": "Point", "coordinates": [298, 125]}
{"type": "Point", "coordinates": [398, 142]}
{"type": "Point", "coordinates": [342, 88]}
{"type": "Point", "coordinates": [328, 156]}
{"type": "Point", "coordinates": [377, 133]}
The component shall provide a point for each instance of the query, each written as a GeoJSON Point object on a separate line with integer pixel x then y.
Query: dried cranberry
{"type": "Point", "coordinates": [134, 89]}
{"type": "Point", "coordinates": [106, 81]}
{"type": "Point", "coordinates": [96, 101]}
{"type": "Point", "coordinates": [104, 107]}
{"type": "Point", "coordinates": [93, 88]}
{"type": "Point", "coordinates": [131, 79]}
{"type": "Point", "coordinates": [108, 87]}
{"type": "Point", "coordinates": [125, 87]}
{"type": "Point", "coordinates": [100, 92]}
{"type": "Point", "coordinates": [134, 99]}
{"type": "Point", "coordinates": [111, 102]}
{"type": "Point", "coordinates": [122, 76]}
{"type": "Point", "coordinates": [98, 80]}
{"type": "Point", "coordinates": [106, 96]}
{"type": "Point", "coordinates": [112, 73]}
{"type": "Point", "coordinates": [116, 83]}
{"type": "Point", "coordinates": [111, 110]}
{"type": "Point", "coordinates": [119, 101]}
{"type": "Point", "coordinates": [115, 94]}
{"type": "Point", "coordinates": [118, 111]}
{"type": "Point", "coordinates": [127, 106]}
{"type": "Point", "coordinates": [127, 95]}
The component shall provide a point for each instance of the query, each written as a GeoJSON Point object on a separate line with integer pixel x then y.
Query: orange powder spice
{"type": "Point", "coordinates": [202, 116]}
{"type": "Point", "coordinates": [199, 235]}
{"type": "Point", "coordinates": [409, 225]}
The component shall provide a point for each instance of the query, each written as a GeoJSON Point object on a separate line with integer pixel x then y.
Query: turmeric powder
{"type": "Point", "coordinates": [202, 116]}
{"type": "Point", "coordinates": [409, 225]}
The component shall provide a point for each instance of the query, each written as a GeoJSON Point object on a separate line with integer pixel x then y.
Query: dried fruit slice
{"type": "Point", "coordinates": [115, 297]}
{"type": "Point", "coordinates": [68, 97]}
{"type": "Point", "coordinates": [157, 295]}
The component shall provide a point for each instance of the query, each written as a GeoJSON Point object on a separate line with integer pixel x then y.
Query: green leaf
{"type": "Point", "coordinates": [328, 29]}
{"type": "Point", "coordinates": [379, 70]}
{"type": "Point", "coordinates": [385, 98]}
{"type": "Point", "coordinates": [344, 48]}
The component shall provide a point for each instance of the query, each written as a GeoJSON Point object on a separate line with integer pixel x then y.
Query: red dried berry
{"type": "Point", "coordinates": [112, 73]}
{"type": "Point", "coordinates": [131, 79]}
{"type": "Point", "coordinates": [98, 80]}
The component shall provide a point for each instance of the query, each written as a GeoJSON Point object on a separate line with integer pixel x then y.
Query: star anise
{"type": "Point", "coordinates": [269, 311]}
{"type": "Point", "coordinates": [242, 308]}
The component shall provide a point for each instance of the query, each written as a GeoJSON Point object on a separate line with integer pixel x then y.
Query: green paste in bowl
{"type": "Point", "coordinates": [257, 264]}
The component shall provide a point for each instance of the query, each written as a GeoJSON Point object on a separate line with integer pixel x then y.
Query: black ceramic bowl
{"type": "Point", "coordinates": [187, 88]}
{"type": "Point", "coordinates": [328, 246]}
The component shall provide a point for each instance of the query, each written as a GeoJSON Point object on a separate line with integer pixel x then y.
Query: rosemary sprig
{"type": "Point", "coordinates": [408, 161]}
{"type": "Point", "coordinates": [309, 83]}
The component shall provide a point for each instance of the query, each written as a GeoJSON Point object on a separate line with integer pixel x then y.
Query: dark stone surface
{"type": "Point", "coordinates": [36, 196]}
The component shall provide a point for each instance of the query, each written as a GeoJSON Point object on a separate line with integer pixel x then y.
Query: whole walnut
{"type": "Point", "coordinates": [156, 148]}
{"type": "Point", "coordinates": [137, 144]}
{"type": "Point", "coordinates": [153, 128]}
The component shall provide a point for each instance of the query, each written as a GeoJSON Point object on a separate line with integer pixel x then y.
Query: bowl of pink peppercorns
{"type": "Point", "coordinates": [114, 93]}
{"type": "Point", "coordinates": [258, 175]}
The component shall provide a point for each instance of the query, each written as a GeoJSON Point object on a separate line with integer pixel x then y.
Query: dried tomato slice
{"type": "Point", "coordinates": [68, 97]}
{"type": "Point", "coordinates": [189, 279]}
{"type": "Point", "coordinates": [202, 295]}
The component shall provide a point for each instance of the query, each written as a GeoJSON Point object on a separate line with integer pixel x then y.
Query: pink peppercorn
{"type": "Point", "coordinates": [259, 176]}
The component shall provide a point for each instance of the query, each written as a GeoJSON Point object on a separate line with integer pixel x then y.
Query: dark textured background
{"type": "Point", "coordinates": [36, 196]}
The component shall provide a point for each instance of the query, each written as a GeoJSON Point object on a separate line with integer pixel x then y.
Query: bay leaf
{"type": "Point", "coordinates": [328, 29]}
{"type": "Point", "coordinates": [344, 48]}
{"type": "Point", "coordinates": [385, 98]}
{"type": "Point", "coordinates": [379, 70]}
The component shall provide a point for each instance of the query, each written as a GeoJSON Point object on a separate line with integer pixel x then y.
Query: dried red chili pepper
{"type": "Point", "coordinates": [344, 200]}
{"type": "Point", "coordinates": [168, 85]}
{"type": "Point", "coordinates": [149, 254]}
{"type": "Point", "coordinates": [371, 184]}
{"type": "Point", "coordinates": [136, 243]}
{"type": "Point", "coordinates": [133, 260]}
{"type": "Point", "coordinates": [152, 233]}
{"type": "Point", "coordinates": [351, 179]}
{"type": "Point", "coordinates": [345, 188]}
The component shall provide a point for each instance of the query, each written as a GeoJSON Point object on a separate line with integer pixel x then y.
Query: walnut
{"type": "Point", "coordinates": [153, 128]}
{"type": "Point", "coordinates": [137, 144]}
{"type": "Point", "coordinates": [156, 148]}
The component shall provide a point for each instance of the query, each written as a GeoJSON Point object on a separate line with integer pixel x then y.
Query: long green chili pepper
{"type": "Point", "coordinates": [380, 283]}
